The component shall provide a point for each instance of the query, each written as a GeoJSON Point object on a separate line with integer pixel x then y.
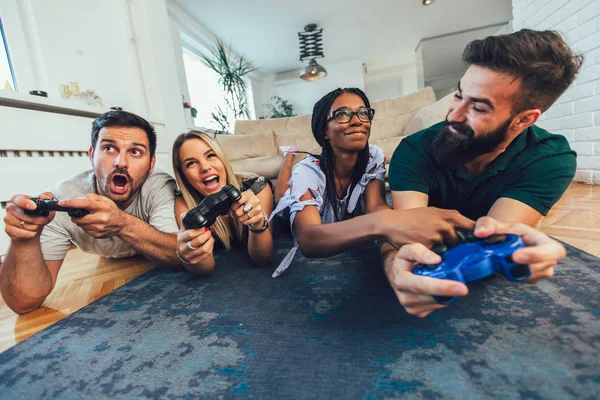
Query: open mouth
{"type": "Point", "coordinates": [119, 184]}
{"type": "Point", "coordinates": [211, 182]}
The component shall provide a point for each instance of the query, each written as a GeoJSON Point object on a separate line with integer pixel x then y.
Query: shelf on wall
{"type": "Point", "coordinates": [37, 103]}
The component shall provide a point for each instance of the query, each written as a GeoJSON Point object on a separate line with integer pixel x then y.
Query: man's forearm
{"type": "Point", "coordinates": [387, 251]}
{"type": "Point", "coordinates": [25, 280]}
{"type": "Point", "coordinates": [157, 246]}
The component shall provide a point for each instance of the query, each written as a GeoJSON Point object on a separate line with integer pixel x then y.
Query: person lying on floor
{"type": "Point", "coordinates": [488, 157]}
{"type": "Point", "coordinates": [201, 169]}
{"type": "Point", "coordinates": [130, 212]}
{"type": "Point", "coordinates": [415, 292]}
{"type": "Point", "coordinates": [329, 194]}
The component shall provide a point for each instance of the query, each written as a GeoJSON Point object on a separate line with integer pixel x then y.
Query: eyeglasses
{"type": "Point", "coordinates": [344, 115]}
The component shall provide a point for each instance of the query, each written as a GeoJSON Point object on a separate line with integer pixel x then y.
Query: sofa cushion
{"type": "Point", "coordinates": [405, 104]}
{"type": "Point", "coordinates": [388, 146]}
{"type": "Point", "coordinates": [264, 166]}
{"type": "Point", "coordinates": [391, 127]}
{"type": "Point", "coordinates": [429, 115]}
{"type": "Point", "coordinates": [238, 147]}
{"type": "Point", "coordinates": [251, 127]}
{"type": "Point", "coordinates": [393, 115]}
{"type": "Point", "coordinates": [303, 141]}
{"type": "Point", "coordinates": [297, 125]}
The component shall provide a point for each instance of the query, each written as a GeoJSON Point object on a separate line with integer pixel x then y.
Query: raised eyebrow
{"type": "Point", "coordinates": [113, 142]}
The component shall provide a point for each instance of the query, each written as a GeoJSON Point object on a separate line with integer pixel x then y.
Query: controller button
{"type": "Point", "coordinates": [466, 236]}
{"type": "Point", "coordinates": [439, 248]}
{"type": "Point", "coordinates": [430, 266]}
{"type": "Point", "coordinates": [494, 239]}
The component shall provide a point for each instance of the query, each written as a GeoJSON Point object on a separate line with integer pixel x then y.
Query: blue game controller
{"type": "Point", "coordinates": [474, 259]}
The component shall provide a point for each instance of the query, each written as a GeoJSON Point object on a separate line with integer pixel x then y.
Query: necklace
{"type": "Point", "coordinates": [340, 182]}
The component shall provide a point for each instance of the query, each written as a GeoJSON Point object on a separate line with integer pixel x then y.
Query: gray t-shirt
{"type": "Point", "coordinates": [154, 204]}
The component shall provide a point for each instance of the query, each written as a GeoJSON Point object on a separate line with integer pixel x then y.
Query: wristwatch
{"type": "Point", "coordinates": [264, 227]}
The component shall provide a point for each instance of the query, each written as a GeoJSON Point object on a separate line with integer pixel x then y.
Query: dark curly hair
{"type": "Point", "coordinates": [327, 160]}
{"type": "Point", "coordinates": [541, 59]}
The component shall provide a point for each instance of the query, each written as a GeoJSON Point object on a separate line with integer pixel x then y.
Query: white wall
{"type": "Point", "coordinates": [393, 81]}
{"type": "Point", "coordinates": [73, 43]}
{"type": "Point", "coordinates": [126, 50]}
{"type": "Point", "coordinates": [122, 49]}
{"type": "Point", "coordinates": [262, 90]}
{"type": "Point", "coordinates": [304, 94]}
{"type": "Point", "coordinates": [444, 85]}
{"type": "Point", "coordinates": [576, 114]}
{"type": "Point", "coordinates": [190, 33]}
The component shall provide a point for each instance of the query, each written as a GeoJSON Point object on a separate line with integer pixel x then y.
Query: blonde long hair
{"type": "Point", "coordinates": [191, 196]}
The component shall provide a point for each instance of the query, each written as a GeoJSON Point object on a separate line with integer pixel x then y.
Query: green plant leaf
{"type": "Point", "coordinates": [231, 78]}
{"type": "Point", "coordinates": [281, 108]}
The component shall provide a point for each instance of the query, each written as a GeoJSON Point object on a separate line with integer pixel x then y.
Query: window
{"type": "Point", "coordinates": [6, 74]}
{"type": "Point", "coordinates": [206, 94]}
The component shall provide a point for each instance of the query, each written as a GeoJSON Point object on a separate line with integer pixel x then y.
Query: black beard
{"type": "Point", "coordinates": [453, 149]}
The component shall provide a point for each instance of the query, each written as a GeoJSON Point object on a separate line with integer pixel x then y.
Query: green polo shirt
{"type": "Point", "coordinates": [535, 169]}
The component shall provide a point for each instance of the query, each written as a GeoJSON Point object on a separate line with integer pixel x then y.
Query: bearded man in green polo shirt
{"type": "Point", "coordinates": [488, 158]}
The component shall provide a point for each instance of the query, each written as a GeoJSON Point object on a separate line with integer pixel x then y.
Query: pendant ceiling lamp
{"type": "Point", "coordinates": [311, 48]}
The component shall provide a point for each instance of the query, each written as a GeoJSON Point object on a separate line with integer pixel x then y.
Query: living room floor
{"type": "Point", "coordinates": [83, 278]}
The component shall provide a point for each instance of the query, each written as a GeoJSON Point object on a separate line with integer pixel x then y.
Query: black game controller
{"type": "Point", "coordinates": [205, 213]}
{"type": "Point", "coordinates": [44, 206]}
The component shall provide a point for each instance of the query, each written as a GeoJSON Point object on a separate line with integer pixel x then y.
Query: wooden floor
{"type": "Point", "coordinates": [575, 219]}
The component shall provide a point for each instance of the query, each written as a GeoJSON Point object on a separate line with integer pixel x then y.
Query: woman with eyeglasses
{"type": "Point", "coordinates": [328, 194]}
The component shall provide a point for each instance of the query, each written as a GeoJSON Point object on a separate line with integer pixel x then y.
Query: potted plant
{"type": "Point", "coordinates": [232, 73]}
{"type": "Point", "coordinates": [281, 108]}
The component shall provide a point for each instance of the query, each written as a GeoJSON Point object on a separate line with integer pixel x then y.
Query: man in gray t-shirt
{"type": "Point", "coordinates": [131, 211]}
{"type": "Point", "coordinates": [154, 204]}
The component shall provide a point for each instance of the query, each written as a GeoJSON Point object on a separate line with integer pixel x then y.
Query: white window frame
{"type": "Point", "coordinates": [11, 71]}
{"type": "Point", "coordinates": [195, 49]}
{"type": "Point", "coordinates": [23, 45]}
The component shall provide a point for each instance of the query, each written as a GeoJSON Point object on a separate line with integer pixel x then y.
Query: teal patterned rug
{"type": "Point", "coordinates": [327, 328]}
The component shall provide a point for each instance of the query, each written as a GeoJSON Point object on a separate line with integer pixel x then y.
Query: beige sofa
{"type": "Point", "coordinates": [255, 145]}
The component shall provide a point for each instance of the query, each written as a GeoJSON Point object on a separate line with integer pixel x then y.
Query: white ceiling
{"type": "Point", "coordinates": [442, 55]}
{"type": "Point", "coordinates": [377, 31]}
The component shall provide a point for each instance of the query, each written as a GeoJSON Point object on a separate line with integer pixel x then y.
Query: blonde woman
{"type": "Point", "coordinates": [201, 169]}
